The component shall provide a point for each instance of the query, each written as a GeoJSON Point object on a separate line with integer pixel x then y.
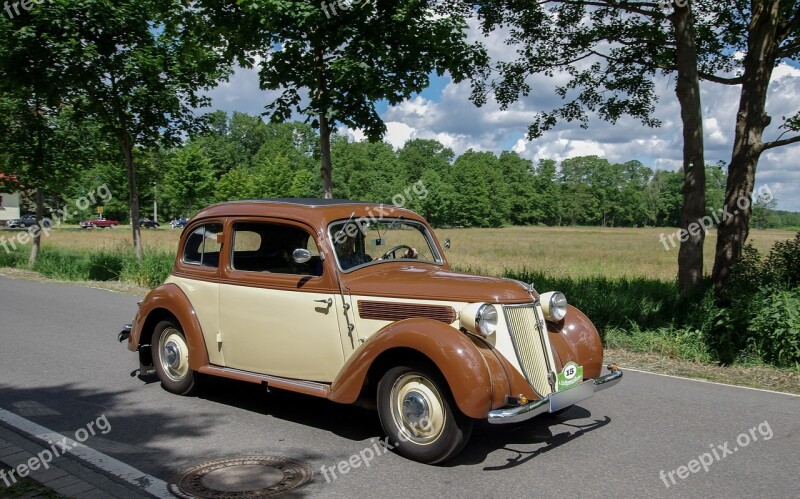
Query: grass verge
{"type": "Point", "coordinates": [26, 487]}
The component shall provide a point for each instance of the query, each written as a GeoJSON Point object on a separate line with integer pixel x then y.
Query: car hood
{"type": "Point", "coordinates": [428, 282]}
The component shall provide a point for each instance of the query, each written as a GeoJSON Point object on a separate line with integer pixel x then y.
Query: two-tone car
{"type": "Point", "coordinates": [98, 223]}
{"type": "Point", "coordinates": [349, 301]}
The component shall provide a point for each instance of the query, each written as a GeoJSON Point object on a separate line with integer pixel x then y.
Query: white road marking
{"type": "Point", "coordinates": [711, 382]}
{"type": "Point", "coordinates": [106, 463]}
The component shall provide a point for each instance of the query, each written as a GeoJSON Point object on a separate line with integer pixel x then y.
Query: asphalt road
{"type": "Point", "coordinates": [61, 367]}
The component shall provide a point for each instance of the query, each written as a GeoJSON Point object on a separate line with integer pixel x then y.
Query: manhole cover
{"type": "Point", "coordinates": [251, 477]}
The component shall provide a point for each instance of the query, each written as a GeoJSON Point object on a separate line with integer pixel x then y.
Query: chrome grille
{"type": "Point", "coordinates": [529, 345]}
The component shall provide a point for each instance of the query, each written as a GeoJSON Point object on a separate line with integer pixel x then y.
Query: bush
{"type": "Point", "coordinates": [648, 303]}
{"type": "Point", "coordinates": [151, 272]}
{"type": "Point", "coordinates": [775, 327]}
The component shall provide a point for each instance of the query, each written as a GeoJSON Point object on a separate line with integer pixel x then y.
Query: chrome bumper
{"type": "Point", "coordinates": [554, 402]}
{"type": "Point", "coordinates": [125, 333]}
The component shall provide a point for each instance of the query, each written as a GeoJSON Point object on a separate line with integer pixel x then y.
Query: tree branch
{"type": "Point", "coordinates": [789, 50]}
{"type": "Point", "coordinates": [621, 4]}
{"type": "Point", "coordinates": [738, 80]}
{"type": "Point", "coordinates": [779, 143]}
{"type": "Point", "coordinates": [785, 29]}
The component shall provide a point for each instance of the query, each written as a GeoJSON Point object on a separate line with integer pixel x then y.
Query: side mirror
{"type": "Point", "coordinates": [447, 243]}
{"type": "Point", "coordinates": [301, 255]}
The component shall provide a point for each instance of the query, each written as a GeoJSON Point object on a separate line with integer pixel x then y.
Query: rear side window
{"type": "Point", "coordinates": [202, 247]}
{"type": "Point", "coordinates": [268, 247]}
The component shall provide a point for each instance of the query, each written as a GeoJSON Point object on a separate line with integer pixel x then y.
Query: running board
{"type": "Point", "coordinates": [292, 385]}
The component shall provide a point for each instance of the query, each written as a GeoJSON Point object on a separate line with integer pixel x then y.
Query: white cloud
{"type": "Point", "coordinates": [452, 119]}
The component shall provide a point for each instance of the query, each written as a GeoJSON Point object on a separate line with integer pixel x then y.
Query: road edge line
{"type": "Point", "coordinates": [711, 382]}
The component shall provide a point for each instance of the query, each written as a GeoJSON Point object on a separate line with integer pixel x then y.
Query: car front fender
{"type": "Point", "coordinates": [576, 339]}
{"type": "Point", "coordinates": [453, 353]}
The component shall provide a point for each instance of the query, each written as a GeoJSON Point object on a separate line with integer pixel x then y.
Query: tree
{"type": "Point", "coordinates": [136, 67]}
{"type": "Point", "coordinates": [610, 49]}
{"type": "Point", "coordinates": [333, 66]}
{"type": "Point", "coordinates": [767, 32]}
{"type": "Point", "coordinates": [31, 97]}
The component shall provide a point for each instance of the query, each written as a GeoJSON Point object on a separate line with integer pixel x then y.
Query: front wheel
{"type": "Point", "coordinates": [171, 358]}
{"type": "Point", "coordinates": [419, 416]}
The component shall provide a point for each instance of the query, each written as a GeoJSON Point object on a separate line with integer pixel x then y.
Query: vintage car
{"type": "Point", "coordinates": [354, 301]}
{"type": "Point", "coordinates": [98, 223]}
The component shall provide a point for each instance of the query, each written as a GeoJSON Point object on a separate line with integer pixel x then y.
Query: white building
{"type": "Point", "coordinates": [9, 202]}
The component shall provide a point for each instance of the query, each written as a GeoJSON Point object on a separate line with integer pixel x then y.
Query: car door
{"type": "Point", "coordinates": [278, 317]}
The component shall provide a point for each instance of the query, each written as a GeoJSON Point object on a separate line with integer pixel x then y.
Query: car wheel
{"type": "Point", "coordinates": [22, 226]}
{"type": "Point", "coordinates": [419, 416]}
{"type": "Point", "coordinates": [171, 358]}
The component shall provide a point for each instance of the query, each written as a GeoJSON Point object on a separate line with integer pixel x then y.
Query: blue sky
{"type": "Point", "coordinates": [444, 112]}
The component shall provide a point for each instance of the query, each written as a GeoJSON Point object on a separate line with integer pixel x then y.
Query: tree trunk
{"type": "Point", "coordinates": [326, 171]}
{"type": "Point", "coordinates": [690, 254]}
{"type": "Point", "coordinates": [37, 233]}
{"type": "Point", "coordinates": [751, 120]}
{"type": "Point", "coordinates": [133, 197]}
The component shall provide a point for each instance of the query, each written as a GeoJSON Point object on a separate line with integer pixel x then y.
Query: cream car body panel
{"type": "Point", "coordinates": [204, 297]}
{"type": "Point", "coordinates": [281, 333]}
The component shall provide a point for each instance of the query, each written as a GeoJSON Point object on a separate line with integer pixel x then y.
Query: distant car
{"type": "Point", "coordinates": [149, 224]}
{"type": "Point", "coordinates": [27, 221]}
{"type": "Point", "coordinates": [98, 223]}
{"type": "Point", "coordinates": [179, 223]}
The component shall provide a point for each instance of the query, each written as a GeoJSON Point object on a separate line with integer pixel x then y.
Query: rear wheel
{"type": "Point", "coordinates": [171, 358]}
{"type": "Point", "coordinates": [419, 416]}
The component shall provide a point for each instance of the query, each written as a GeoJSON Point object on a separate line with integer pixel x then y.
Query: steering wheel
{"type": "Point", "coordinates": [393, 250]}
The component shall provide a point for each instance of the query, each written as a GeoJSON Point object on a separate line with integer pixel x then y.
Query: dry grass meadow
{"type": "Point", "coordinates": [556, 251]}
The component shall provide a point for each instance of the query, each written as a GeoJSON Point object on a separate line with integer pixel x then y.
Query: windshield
{"type": "Point", "coordinates": [358, 243]}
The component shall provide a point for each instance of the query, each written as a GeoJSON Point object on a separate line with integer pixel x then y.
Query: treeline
{"type": "Point", "coordinates": [241, 157]}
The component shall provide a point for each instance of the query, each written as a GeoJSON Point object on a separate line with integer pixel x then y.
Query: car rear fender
{"type": "Point", "coordinates": [168, 302]}
{"type": "Point", "coordinates": [454, 354]}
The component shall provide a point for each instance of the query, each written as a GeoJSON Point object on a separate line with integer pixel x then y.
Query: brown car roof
{"type": "Point", "coordinates": [317, 212]}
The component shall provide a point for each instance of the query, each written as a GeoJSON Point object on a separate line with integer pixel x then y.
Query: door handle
{"type": "Point", "coordinates": [328, 302]}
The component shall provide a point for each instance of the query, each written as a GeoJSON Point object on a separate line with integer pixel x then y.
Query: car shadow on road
{"type": "Point", "coordinates": [305, 410]}
{"type": "Point", "coordinates": [487, 438]}
{"type": "Point", "coordinates": [358, 424]}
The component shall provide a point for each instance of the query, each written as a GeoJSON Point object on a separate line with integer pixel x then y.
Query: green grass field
{"type": "Point", "coordinates": [559, 252]}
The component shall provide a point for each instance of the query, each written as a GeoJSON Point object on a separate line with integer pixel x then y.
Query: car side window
{"type": "Point", "coordinates": [202, 247]}
{"type": "Point", "coordinates": [268, 247]}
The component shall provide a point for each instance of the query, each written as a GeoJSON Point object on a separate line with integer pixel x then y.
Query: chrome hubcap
{"type": "Point", "coordinates": [174, 354]}
{"type": "Point", "coordinates": [417, 409]}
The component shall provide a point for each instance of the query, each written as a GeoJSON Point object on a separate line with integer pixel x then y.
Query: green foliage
{"type": "Point", "coordinates": [648, 303]}
{"type": "Point", "coordinates": [775, 327]}
{"type": "Point", "coordinates": [679, 343]}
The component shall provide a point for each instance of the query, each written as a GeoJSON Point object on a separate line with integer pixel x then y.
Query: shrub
{"type": "Point", "coordinates": [775, 327]}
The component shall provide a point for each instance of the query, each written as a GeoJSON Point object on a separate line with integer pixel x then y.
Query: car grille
{"type": "Point", "coordinates": [531, 345]}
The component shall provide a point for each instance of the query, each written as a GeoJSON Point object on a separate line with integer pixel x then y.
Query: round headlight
{"type": "Point", "coordinates": [554, 305]}
{"type": "Point", "coordinates": [486, 320]}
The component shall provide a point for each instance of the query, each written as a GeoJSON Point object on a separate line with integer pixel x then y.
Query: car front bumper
{"type": "Point", "coordinates": [555, 401]}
